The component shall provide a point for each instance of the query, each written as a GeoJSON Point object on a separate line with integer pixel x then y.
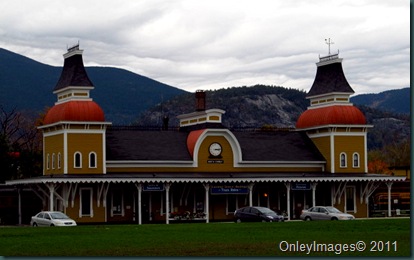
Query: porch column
{"type": "Point", "coordinates": [389, 184]}
{"type": "Point", "coordinates": [207, 206]}
{"type": "Point", "coordinates": [19, 207]}
{"type": "Point", "coordinates": [167, 203]}
{"type": "Point", "coordinates": [51, 187]}
{"type": "Point", "coordinates": [288, 198]}
{"type": "Point", "coordinates": [251, 194]}
{"type": "Point", "coordinates": [139, 188]}
{"type": "Point", "coordinates": [313, 185]}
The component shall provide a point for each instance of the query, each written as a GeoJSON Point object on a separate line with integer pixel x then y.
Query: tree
{"type": "Point", "coordinates": [20, 145]}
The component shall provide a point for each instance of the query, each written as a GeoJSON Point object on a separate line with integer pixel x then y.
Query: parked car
{"type": "Point", "coordinates": [51, 218]}
{"type": "Point", "coordinates": [324, 213]}
{"type": "Point", "coordinates": [250, 214]}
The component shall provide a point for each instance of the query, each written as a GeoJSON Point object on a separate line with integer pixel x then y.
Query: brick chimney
{"type": "Point", "coordinates": [200, 100]}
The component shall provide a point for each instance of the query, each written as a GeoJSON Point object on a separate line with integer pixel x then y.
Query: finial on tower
{"type": "Point", "coordinates": [329, 42]}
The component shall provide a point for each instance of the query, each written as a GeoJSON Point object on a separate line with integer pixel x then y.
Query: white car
{"type": "Point", "coordinates": [51, 218]}
{"type": "Point", "coordinates": [324, 213]}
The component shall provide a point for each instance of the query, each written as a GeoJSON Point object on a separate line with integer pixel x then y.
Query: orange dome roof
{"type": "Point", "coordinates": [75, 111]}
{"type": "Point", "coordinates": [332, 115]}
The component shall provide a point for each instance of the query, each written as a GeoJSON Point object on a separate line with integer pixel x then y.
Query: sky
{"type": "Point", "coordinates": [195, 44]}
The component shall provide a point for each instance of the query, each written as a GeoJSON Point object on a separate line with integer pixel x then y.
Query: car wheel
{"type": "Point", "coordinates": [334, 218]}
{"type": "Point", "coordinates": [308, 218]}
{"type": "Point", "coordinates": [52, 225]}
{"type": "Point", "coordinates": [35, 224]}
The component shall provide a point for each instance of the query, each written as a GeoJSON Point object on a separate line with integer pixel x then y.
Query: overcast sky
{"type": "Point", "coordinates": [198, 44]}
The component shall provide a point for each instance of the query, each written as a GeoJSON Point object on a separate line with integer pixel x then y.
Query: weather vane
{"type": "Point", "coordinates": [329, 42]}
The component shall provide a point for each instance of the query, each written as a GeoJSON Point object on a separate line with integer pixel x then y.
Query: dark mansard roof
{"type": "Point", "coordinates": [73, 73]}
{"type": "Point", "coordinates": [135, 144]}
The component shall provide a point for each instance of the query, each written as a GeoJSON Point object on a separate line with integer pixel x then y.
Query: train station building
{"type": "Point", "coordinates": [99, 173]}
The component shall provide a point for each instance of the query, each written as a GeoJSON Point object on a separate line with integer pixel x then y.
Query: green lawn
{"type": "Point", "coordinates": [391, 237]}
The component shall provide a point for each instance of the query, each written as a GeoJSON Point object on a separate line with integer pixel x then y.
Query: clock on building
{"type": "Point", "coordinates": [215, 149]}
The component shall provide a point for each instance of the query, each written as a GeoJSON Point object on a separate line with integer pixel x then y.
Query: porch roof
{"type": "Point", "coordinates": [205, 178]}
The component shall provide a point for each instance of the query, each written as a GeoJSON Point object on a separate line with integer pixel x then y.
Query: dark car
{"type": "Point", "coordinates": [250, 214]}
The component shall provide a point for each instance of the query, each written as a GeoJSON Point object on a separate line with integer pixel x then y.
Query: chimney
{"type": "Point", "coordinates": [200, 100]}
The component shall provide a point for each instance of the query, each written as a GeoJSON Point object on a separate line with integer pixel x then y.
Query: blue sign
{"type": "Point", "coordinates": [300, 186]}
{"type": "Point", "coordinates": [215, 190]}
{"type": "Point", "coordinates": [153, 187]}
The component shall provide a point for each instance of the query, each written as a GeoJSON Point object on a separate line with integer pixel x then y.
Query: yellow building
{"type": "Point", "coordinates": [98, 173]}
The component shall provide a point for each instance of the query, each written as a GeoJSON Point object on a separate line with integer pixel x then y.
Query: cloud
{"type": "Point", "coordinates": [214, 44]}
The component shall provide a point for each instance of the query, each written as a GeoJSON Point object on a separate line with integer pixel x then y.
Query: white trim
{"type": "Point", "coordinates": [68, 123]}
{"type": "Point", "coordinates": [228, 135]}
{"type": "Point", "coordinates": [354, 196]}
{"type": "Point", "coordinates": [74, 160]}
{"type": "Point", "coordinates": [96, 160]}
{"type": "Point", "coordinates": [335, 126]}
{"type": "Point", "coordinates": [57, 179]}
{"type": "Point", "coordinates": [80, 202]}
{"type": "Point", "coordinates": [345, 160]}
{"type": "Point", "coordinates": [353, 160]}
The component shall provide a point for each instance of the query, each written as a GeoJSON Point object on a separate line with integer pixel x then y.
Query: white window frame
{"type": "Point", "coordinates": [358, 160]}
{"type": "Point", "coordinates": [340, 160]}
{"type": "Point", "coordinates": [122, 204]}
{"type": "Point", "coordinates": [80, 160]}
{"type": "Point", "coordinates": [96, 160]}
{"type": "Point", "coordinates": [80, 202]}
{"type": "Point", "coordinates": [53, 160]}
{"type": "Point", "coordinates": [354, 200]}
{"type": "Point", "coordinates": [48, 161]}
{"type": "Point", "coordinates": [59, 160]}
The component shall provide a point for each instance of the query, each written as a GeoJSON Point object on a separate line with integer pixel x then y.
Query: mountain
{"type": "Point", "coordinates": [245, 107]}
{"type": "Point", "coordinates": [272, 107]}
{"type": "Point", "coordinates": [28, 85]}
{"type": "Point", "coordinates": [396, 101]}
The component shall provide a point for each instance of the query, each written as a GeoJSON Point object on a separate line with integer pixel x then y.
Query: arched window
{"type": "Point", "coordinates": [355, 160]}
{"type": "Point", "coordinates": [53, 160]}
{"type": "Point", "coordinates": [342, 160]}
{"type": "Point", "coordinates": [92, 160]}
{"type": "Point", "coordinates": [78, 160]}
{"type": "Point", "coordinates": [59, 160]}
{"type": "Point", "coordinates": [48, 161]}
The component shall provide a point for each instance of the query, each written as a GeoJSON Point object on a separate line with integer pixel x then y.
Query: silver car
{"type": "Point", "coordinates": [324, 213]}
{"type": "Point", "coordinates": [51, 218]}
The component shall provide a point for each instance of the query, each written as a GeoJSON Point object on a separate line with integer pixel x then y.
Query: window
{"type": "Point", "coordinates": [53, 160]}
{"type": "Point", "coordinates": [355, 161]}
{"type": "Point", "coordinates": [92, 160]}
{"type": "Point", "coordinates": [78, 160]}
{"type": "Point", "coordinates": [86, 202]}
{"type": "Point", "coordinates": [117, 203]}
{"type": "Point", "coordinates": [231, 203]}
{"type": "Point", "coordinates": [342, 159]}
{"type": "Point", "coordinates": [59, 160]}
{"type": "Point", "coordinates": [48, 161]}
{"type": "Point", "coordinates": [350, 199]}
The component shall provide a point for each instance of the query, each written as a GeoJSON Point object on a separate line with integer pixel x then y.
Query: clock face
{"type": "Point", "coordinates": [215, 149]}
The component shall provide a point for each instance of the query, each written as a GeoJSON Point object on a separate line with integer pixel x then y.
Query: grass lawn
{"type": "Point", "coordinates": [389, 237]}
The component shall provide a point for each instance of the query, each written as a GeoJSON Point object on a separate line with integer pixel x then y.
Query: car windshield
{"type": "Point", "coordinates": [58, 215]}
{"type": "Point", "coordinates": [333, 210]}
{"type": "Point", "coordinates": [266, 211]}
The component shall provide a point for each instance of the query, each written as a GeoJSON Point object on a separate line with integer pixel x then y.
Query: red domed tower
{"type": "Point", "coordinates": [336, 127]}
{"type": "Point", "coordinates": [74, 128]}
